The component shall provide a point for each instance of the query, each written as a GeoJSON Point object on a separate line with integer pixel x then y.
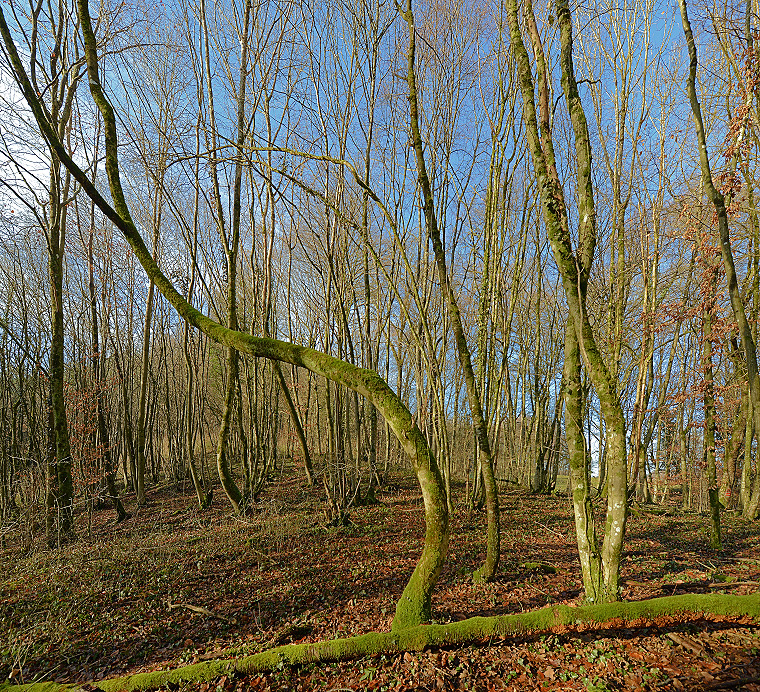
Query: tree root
{"type": "Point", "coordinates": [557, 618]}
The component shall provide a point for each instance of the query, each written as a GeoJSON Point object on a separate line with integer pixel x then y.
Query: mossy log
{"type": "Point", "coordinates": [557, 618]}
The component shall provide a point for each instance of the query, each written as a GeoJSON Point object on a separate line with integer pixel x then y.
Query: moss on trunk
{"type": "Point", "coordinates": [493, 547]}
{"type": "Point", "coordinates": [414, 606]}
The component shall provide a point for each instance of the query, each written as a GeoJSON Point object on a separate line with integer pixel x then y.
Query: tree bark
{"type": "Point", "coordinates": [488, 570]}
{"type": "Point", "coordinates": [414, 606]}
{"type": "Point", "coordinates": [580, 472]}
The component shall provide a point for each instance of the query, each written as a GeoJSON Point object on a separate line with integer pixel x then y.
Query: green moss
{"type": "Point", "coordinates": [197, 672]}
{"type": "Point", "coordinates": [422, 637]}
{"type": "Point", "coordinates": [40, 687]}
{"type": "Point", "coordinates": [411, 611]}
{"type": "Point", "coordinates": [542, 567]}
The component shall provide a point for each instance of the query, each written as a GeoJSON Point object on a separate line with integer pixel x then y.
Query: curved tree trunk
{"type": "Point", "coordinates": [488, 570]}
{"type": "Point", "coordinates": [414, 606]}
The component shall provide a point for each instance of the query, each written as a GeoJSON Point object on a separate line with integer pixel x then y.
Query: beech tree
{"type": "Point", "coordinates": [718, 200]}
{"type": "Point", "coordinates": [600, 569]}
{"type": "Point", "coordinates": [414, 605]}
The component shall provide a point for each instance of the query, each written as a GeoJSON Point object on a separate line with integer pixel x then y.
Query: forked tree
{"type": "Point", "coordinates": [600, 569]}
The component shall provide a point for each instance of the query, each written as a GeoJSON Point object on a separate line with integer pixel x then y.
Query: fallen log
{"type": "Point", "coordinates": [555, 618]}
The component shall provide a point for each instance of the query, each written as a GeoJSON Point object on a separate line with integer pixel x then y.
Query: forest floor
{"type": "Point", "coordinates": [116, 600]}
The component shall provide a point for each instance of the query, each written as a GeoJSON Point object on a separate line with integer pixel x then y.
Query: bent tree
{"type": "Point", "coordinates": [414, 606]}
{"type": "Point", "coordinates": [600, 570]}
{"type": "Point", "coordinates": [488, 570]}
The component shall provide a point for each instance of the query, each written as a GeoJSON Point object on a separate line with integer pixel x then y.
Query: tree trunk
{"type": "Point", "coordinates": [579, 478]}
{"type": "Point", "coordinates": [414, 606]}
{"type": "Point", "coordinates": [488, 570]}
{"type": "Point", "coordinates": [574, 269]}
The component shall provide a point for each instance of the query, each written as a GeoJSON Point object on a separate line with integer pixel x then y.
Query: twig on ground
{"type": "Point", "coordinates": [561, 535]}
{"type": "Point", "coordinates": [686, 643]}
{"type": "Point", "coordinates": [201, 611]}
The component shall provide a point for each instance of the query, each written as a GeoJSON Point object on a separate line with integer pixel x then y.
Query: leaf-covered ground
{"type": "Point", "coordinates": [172, 586]}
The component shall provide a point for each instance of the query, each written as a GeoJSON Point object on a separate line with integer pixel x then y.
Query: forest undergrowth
{"type": "Point", "coordinates": [172, 586]}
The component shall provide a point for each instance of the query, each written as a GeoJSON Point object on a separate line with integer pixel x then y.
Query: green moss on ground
{"type": "Point", "coordinates": [543, 567]}
{"type": "Point", "coordinates": [425, 636]}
